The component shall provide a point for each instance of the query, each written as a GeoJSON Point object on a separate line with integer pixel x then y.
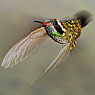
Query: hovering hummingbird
{"type": "Point", "coordinates": [65, 32]}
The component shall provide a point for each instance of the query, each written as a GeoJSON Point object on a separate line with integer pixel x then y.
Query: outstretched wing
{"type": "Point", "coordinates": [61, 57]}
{"type": "Point", "coordinates": [24, 48]}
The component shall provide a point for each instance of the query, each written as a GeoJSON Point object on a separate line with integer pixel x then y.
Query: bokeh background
{"type": "Point", "coordinates": [76, 76]}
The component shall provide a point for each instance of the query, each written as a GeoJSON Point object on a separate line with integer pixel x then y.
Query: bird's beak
{"type": "Point", "coordinates": [44, 23]}
{"type": "Point", "coordinates": [38, 22]}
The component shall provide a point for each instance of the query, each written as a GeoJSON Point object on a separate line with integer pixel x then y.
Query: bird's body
{"type": "Point", "coordinates": [64, 32]}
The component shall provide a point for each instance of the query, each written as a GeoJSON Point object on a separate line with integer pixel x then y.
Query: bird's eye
{"type": "Point", "coordinates": [56, 23]}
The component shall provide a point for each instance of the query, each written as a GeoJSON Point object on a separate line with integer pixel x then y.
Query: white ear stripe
{"type": "Point", "coordinates": [61, 26]}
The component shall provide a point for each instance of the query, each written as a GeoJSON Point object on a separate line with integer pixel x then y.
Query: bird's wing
{"type": "Point", "coordinates": [24, 47]}
{"type": "Point", "coordinates": [61, 57]}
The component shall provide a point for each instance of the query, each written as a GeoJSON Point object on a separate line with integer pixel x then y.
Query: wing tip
{"type": "Point", "coordinates": [5, 64]}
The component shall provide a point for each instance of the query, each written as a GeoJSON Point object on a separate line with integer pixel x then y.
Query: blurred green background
{"type": "Point", "coordinates": [76, 76]}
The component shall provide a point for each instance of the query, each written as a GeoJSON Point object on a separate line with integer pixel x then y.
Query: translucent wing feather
{"type": "Point", "coordinates": [61, 57]}
{"type": "Point", "coordinates": [24, 48]}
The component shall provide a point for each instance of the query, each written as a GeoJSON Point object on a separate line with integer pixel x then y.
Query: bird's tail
{"type": "Point", "coordinates": [84, 16]}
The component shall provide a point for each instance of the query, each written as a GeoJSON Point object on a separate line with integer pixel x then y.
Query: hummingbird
{"type": "Point", "coordinates": [65, 32]}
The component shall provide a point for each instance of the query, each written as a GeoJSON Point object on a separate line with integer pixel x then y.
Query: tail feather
{"type": "Point", "coordinates": [84, 16]}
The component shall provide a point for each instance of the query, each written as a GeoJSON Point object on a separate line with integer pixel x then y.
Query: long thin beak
{"type": "Point", "coordinates": [39, 22]}
{"type": "Point", "coordinates": [44, 23]}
